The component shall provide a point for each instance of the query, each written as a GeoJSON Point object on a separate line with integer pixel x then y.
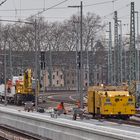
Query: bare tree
{"type": "Point", "coordinates": [60, 36]}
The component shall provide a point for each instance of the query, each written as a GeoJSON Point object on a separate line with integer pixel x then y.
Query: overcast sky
{"type": "Point", "coordinates": [21, 9]}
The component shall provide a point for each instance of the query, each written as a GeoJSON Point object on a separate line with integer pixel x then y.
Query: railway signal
{"type": "Point", "coordinates": [42, 60]}
{"type": "Point", "coordinates": [79, 59]}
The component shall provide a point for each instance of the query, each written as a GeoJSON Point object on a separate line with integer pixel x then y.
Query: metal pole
{"type": "Point", "coordinates": [44, 79]}
{"type": "Point", "coordinates": [81, 49]}
{"type": "Point", "coordinates": [87, 68]}
{"type": "Point", "coordinates": [120, 51]}
{"type": "Point", "coordinates": [110, 56]}
{"type": "Point", "coordinates": [77, 68]}
{"type": "Point", "coordinates": [10, 56]}
{"type": "Point", "coordinates": [50, 67]}
{"type": "Point", "coordinates": [125, 68]}
{"type": "Point", "coordinates": [137, 45]}
{"type": "Point", "coordinates": [116, 53]}
{"type": "Point", "coordinates": [137, 58]}
{"type": "Point", "coordinates": [36, 83]}
{"type": "Point", "coordinates": [132, 49]}
{"type": "Point", "coordinates": [5, 74]}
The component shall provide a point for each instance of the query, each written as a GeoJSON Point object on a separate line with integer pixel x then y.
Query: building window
{"type": "Point", "coordinates": [72, 81]}
{"type": "Point", "coordinates": [72, 74]}
{"type": "Point", "coordinates": [57, 82]}
{"type": "Point", "coordinates": [97, 75]}
{"type": "Point", "coordinates": [53, 76]}
{"type": "Point", "coordinates": [48, 76]}
{"type": "Point", "coordinates": [68, 82]}
{"type": "Point", "coordinates": [86, 84]}
{"type": "Point", "coordinates": [57, 73]}
{"type": "Point", "coordinates": [85, 75]}
{"type": "Point", "coordinates": [61, 76]}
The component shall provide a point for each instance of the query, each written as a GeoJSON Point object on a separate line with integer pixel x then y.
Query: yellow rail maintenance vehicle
{"type": "Point", "coordinates": [111, 101]}
{"type": "Point", "coordinates": [24, 88]}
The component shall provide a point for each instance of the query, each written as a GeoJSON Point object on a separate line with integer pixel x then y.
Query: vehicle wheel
{"type": "Point", "coordinates": [19, 103]}
{"type": "Point", "coordinates": [52, 115]}
{"type": "Point", "coordinates": [74, 116]}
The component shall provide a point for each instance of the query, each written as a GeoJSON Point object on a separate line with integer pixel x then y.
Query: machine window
{"type": "Point", "coordinates": [117, 100]}
{"type": "Point", "coordinates": [130, 100]}
{"type": "Point", "coordinates": [107, 100]}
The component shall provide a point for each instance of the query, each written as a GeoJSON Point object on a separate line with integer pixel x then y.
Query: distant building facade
{"type": "Point", "coordinates": [64, 72]}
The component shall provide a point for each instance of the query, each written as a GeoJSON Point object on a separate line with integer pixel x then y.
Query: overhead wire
{"type": "Point", "coordinates": [28, 17]}
{"type": "Point", "coordinates": [110, 14]}
{"type": "Point", "coordinates": [40, 11]}
{"type": "Point", "coordinates": [100, 3]}
{"type": "Point", "coordinates": [55, 7]}
{"type": "Point", "coordinates": [3, 2]}
{"type": "Point", "coordinates": [44, 10]}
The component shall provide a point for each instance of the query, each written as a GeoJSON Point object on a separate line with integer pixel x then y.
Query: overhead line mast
{"type": "Point", "coordinates": [110, 56]}
{"type": "Point", "coordinates": [116, 50]}
{"type": "Point", "coordinates": [132, 49]}
{"type": "Point", "coordinates": [120, 53]}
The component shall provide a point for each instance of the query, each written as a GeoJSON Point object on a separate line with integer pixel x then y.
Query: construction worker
{"type": "Point", "coordinates": [60, 108]}
{"type": "Point", "coordinates": [9, 85]}
{"type": "Point", "coordinates": [78, 104]}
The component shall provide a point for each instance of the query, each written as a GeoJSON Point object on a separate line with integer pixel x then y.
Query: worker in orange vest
{"type": "Point", "coordinates": [60, 107]}
{"type": "Point", "coordinates": [78, 104]}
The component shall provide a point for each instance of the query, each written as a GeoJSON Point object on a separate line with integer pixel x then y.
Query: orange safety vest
{"type": "Point", "coordinates": [78, 104]}
{"type": "Point", "coordinates": [59, 107]}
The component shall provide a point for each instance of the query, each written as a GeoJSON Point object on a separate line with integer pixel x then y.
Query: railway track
{"type": "Point", "coordinates": [10, 133]}
{"type": "Point", "coordinates": [128, 122]}
{"type": "Point", "coordinates": [137, 115]}
{"type": "Point", "coordinates": [61, 99]}
{"type": "Point", "coordinates": [63, 96]}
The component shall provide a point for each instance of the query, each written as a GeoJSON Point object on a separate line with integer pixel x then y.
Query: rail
{"type": "Point", "coordinates": [10, 133]}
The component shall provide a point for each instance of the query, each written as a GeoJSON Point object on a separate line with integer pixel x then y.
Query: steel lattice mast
{"type": "Point", "coordinates": [110, 56]}
{"type": "Point", "coordinates": [120, 57]}
{"type": "Point", "coordinates": [132, 49]}
{"type": "Point", "coordinates": [116, 50]}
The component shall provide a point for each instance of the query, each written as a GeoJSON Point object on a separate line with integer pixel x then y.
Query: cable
{"type": "Point", "coordinates": [124, 17]}
{"type": "Point", "coordinates": [36, 9]}
{"type": "Point", "coordinates": [99, 3]}
{"type": "Point", "coordinates": [40, 11]}
{"type": "Point", "coordinates": [13, 10]}
{"type": "Point", "coordinates": [116, 10]}
{"type": "Point", "coordinates": [49, 8]}
{"type": "Point", "coordinates": [3, 2]}
{"type": "Point", "coordinates": [28, 17]}
{"type": "Point", "coordinates": [54, 7]}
